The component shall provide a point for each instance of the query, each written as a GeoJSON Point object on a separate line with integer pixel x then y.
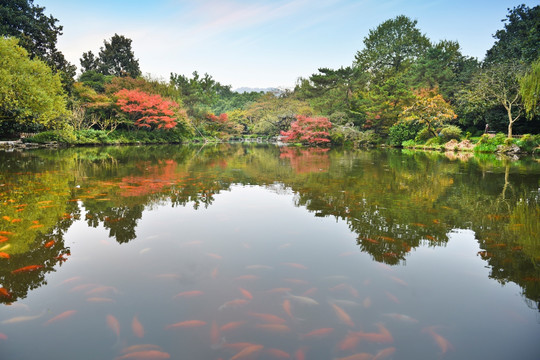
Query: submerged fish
{"type": "Point", "coordinates": [277, 353]}
{"type": "Point", "coordinates": [27, 268]}
{"type": "Point", "coordinates": [277, 328]}
{"type": "Point", "coordinates": [63, 315]}
{"type": "Point", "coordinates": [19, 319]}
{"type": "Point", "coordinates": [137, 327]}
{"type": "Point", "coordinates": [186, 324]}
{"type": "Point", "coordinates": [384, 353]}
{"type": "Point", "coordinates": [269, 318]}
{"type": "Point", "coordinates": [318, 333]}
{"type": "Point", "coordinates": [145, 355]}
{"type": "Point", "coordinates": [233, 303]}
{"type": "Point", "coordinates": [113, 324]}
{"type": "Point", "coordinates": [401, 317]}
{"type": "Point", "coordinates": [359, 356]}
{"type": "Point", "coordinates": [441, 342]}
{"type": "Point", "coordinates": [302, 299]}
{"type": "Point", "coordinates": [342, 315]}
{"type": "Point", "coordinates": [231, 325]}
{"type": "Point", "coordinates": [191, 293]}
{"type": "Point", "coordinates": [248, 352]}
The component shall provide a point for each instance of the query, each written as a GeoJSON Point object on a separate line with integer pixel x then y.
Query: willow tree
{"type": "Point", "coordinates": [529, 88]}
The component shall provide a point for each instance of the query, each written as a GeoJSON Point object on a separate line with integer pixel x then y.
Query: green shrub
{"type": "Point", "coordinates": [403, 131]}
{"type": "Point", "coordinates": [434, 141]}
{"type": "Point", "coordinates": [423, 135]}
{"type": "Point", "coordinates": [64, 136]}
{"type": "Point", "coordinates": [450, 132]}
{"type": "Point", "coordinates": [528, 142]}
{"type": "Point", "coordinates": [489, 144]}
{"type": "Point", "coordinates": [408, 143]}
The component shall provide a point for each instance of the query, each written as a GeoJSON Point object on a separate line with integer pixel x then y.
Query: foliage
{"type": "Point", "coordinates": [429, 109]}
{"type": "Point", "coordinates": [391, 47]}
{"type": "Point", "coordinates": [423, 135]}
{"type": "Point", "coordinates": [528, 142]}
{"type": "Point", "coordinates": [149, 111]}
{"type": "Point", "coordinates": [403, 131]}
{"type": "Point", "coordinates": [309, 130]}
{"type": "Point", "coordinates": [519, 39]}
{"type": "Point", "coordinates": [450, 132]}
{"type": "Point", "coordinates": [529, 89]}
{"type": "Point", "coordinates": [29, 91]}
{"type": "Point", "coordinates": [65, 136]}
{"type": "Point", "coordinates": [115, 58]}
{"type": "Point", "coordinates": [37, 33]}
{"type": "Point", "coordinates": [489, 143]}
{"type": "Point", "coordinates": [95, 80]}
{"type": "Point", "coordinates": [496, 85]}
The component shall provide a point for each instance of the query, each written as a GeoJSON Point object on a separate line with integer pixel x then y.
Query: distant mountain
{"type": "Point", "coordinates": [275, 91]}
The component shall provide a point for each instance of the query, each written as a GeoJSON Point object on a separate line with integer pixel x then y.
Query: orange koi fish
{"type": "Point", "coordinates": [35, 226]}
{"type": "Point", "coordinates": [4, 255]}
{"type": "Point", "coordinates": [49, 244]}
{"type": "Point", "coordinates": [278, 290]}
{"type": "Point", "coordinates": [99, 299]}
{"type": "Point", "coordinates": [441, 342]}
{"type": "Point", "coordinates": [383, 336]}
{"type": "Point", "coordinates": [384, 353]}
{"type": "Point", "coordinates": [392, 297]}
{"type": "Point", "coordinates": [145, 355]}
{"type": "Point", "coordinates": [350, 342]}
{"type": "Point", "coordinates": [367, 302]}
{"type": "Point", "coordinates": [277, 328]}
{"type": "Point", "coordinates": [248, 352]}
{"type": "Point", "coordinates": [295, 265]}
{"type": "Point", "coordinates": [231, 325]}
{"type": "Point", "coordinates": [296, 281]}
{"type": "Point", "coordinates": [137, 327]}
{"type": "Point", "coordinates": [63, 315]}
{"type": "Point", "coordinates": [269, 318]}
{"type": "Point", "coordinates": [214, 273]}
{"type": "Point", "coordinates": [4, 292]}
{"type": "Point", "coordinates": [401, 317]}
{"type": "Point", "coordinates": [373, 241]}
{"type": "Point", "coordinates": [113, 324]}
{"type": "Point", "coordinates": [140, 347]}
{"type": "Point", "coordinates": [359, 356]}
{"type": "Point", "coordinates": [27, 268]}
{"type": "Point", "coordinates": [246, 294]}
{"type": "Point", "coordinates": [247, 277]}
{"type": "Point", "coordinates": [102, 289]}
{"type": "Point", "coordinates": [186, 324]}
{"type": "Point", "coordinates": [310, 292]}
{"type": "Point", "coordinates": [6, 232]}
{"type": "Point", "coordinates": [277, 353]}
{"type": "Point", "coordinates": [3, 336]}
{"type": "Point", "coordinates": [342, 315]}
{"type": "Point", "coordinates": [287, 307]}
{"type": "Point", "coordinates": [386, 238]}
{"type": "Point", "coordinates": [215, 337]}
{"type": "Point", "coordinates": [189, 294]}
{"type": "Point", "coordinates": [318, 333]}
{"type": "Point", "coordinates": [71, 279]}
{"type": "Point", "coordinates": [237, 346]}
{"type": "Point", "coordinates": [300, 354]}
{"type": "Point", "coordinates": [399, 281]}
{"type": "Point", "coordinates": [215, 256]}
{"type": "Point", "coordinates": [233, 303]}
{"type": "Point", "coordinates": [3, 239]}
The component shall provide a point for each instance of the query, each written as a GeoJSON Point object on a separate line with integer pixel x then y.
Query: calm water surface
{"type": "Point", "coordinates": [260, 252]}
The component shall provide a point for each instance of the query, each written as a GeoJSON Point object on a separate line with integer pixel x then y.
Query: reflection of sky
{"type": "Point", "coordinates": [180, 249]}
{"type": "Point", "coordinates": [263, 43]}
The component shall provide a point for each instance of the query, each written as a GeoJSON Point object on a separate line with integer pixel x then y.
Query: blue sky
{"type": "Point", "coordinates": [263, 43]}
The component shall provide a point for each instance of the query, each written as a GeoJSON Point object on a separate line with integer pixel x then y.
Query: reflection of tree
{"type": "Point", "coordinates": [306, 160]}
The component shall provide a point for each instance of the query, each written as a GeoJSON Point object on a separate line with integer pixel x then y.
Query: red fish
{"type": "Point", "coordinates": [27, 268]}
{"type": "Point", "coordinates": [233, 303]}
{"type": "Point", "coordinates": [277, 353]}
{"type": "Point", "coordinates": [350, 342]}
{"type": "Point", "coordinates": [49, 244]}
{"type": "Point", "coordinates": [113, 324]}
{"type": "Point", "coordinates": [384, 353]}
{"type": "Point", "coordinates": [295, 265]}
{"type": "Point", "coordinates": [383, 336]}
{"type": "Point", "coordinates": [189, 293]}
{"type": "Point", "coordinates": [287, 307]}
{"type": "Point", "coordinates": [145, 355]}
{"type": "Point", "coordinates": [359, 356]}
{"type": "Point", "coordinates": [300, 354]}
{"type": "Point", "coordinates": [247, 277]}
{"type": "Point", "coordinates": [186, 324]}
{"type": "Point", "coordinates": [215, 337]}
{"type": "Point", "coordinates": [342, 315]}
{"type": "Point", "coordinates": [137, 327]}
{"type": "Point", "coordinates": [442, 343]}
{"type": "Point", "coordinates": [4, 255]}
{"type": "Point", "coordinates": [276, 328]}
{"type": "Point", "coordinates": [215, 256]}
{"type": "Point", "coordinates": [392, 297]}
{"type": "Point", "coordinates": [6, 233]}
{"type": "Point", "coordinates": [248, 352]}
{"type": "Point", "coordinates": [269, 318]}
{"type": "Point", "coordinates": [318, 333]}
{"type": "Point", "coordinates": [3, 239]}
{"type": "Point", "coordinates": [63, 315]}
{"type": "Point", "coordinates": [231, 325]}
{"type": "Point", "coordinates": [3, 336]}
{"type": "Point", "coordinates": [246, 294]}
{"type": "Point", "coordinates": [4, 292]}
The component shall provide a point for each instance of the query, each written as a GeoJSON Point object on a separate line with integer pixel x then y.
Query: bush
{"type": "Point", "coordinates": [489, 144]}
{"type": "Point", "coordinates": [423, 135]}
{"type": "Point", "coordinates": [403, 131]}
{"type": "Point", "coordinates": [450, 132]}
{"type": "Point", "coordinates": [528, 142]}
{"type": "Point", "coordinates": [65, 136]}
{"type": "Point", "coordinates": [434, 141]}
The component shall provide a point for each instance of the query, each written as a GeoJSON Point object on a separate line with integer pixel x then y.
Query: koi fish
{"type": "Point", "coordinates": [277, 353]}
{"type": "Point", "coordinates": [99, 299]}
{"type": "Point", "coordinates": [392, 297]}
{"type": "Point", "coordinates": [113, 324]}
{"type": "Point", "coordinates": [137, 327]}
{"type": "Point", "coordinates": [145, 355]}
{"type": "Point", "coordinates": [233, 303]}
{"type": "Point", "coordinates": [302, 299]}
{"type": "Point", "coordinates": [6, 233]}
{"type": "Point", "coordinates": [384, 353]}
{"type": "Point", "coordinates": [300, 354]}
{"type": "Point", "coordinates": [19, 319]}
{"type": "Point", "coordinates": [102, 289]}
{"type": "Point", "coordinates": [342, 302]}
{"type": "Point", "coordinates": [214, 273]}
{"type": "Point", "coordinates": [342, 315]}
{"type": "Point", "coordinates": [318, 333]}
{"type": "Point", "coordinates": [186, 324]}
{"type": "Point", "coordinates": [247, 277]}
{"type": "Point", "coordinates": [248, 352]}
{"type": "Point", "coordinates": [27, 268]}
{"type": "Point", "coordinates": [237, 346]}
{"type": "Point", "coordinates": [62, 316]}
{"type": "Point", "coordinates": [296, 281]}
{"type": "Point", "coordinates": [188, 294]}
{"type": "Point", "coordinates": [3, 239]}
{"type": "Point", "coordinates": [4, 255]}
{"type": "Point", "coordinates": [3, 336]}
{"type": "Point", "coordinates": [367, 302]}
{"type": "Point", "coordinates": [215, 337]}
{"type": "Point", "coordinates": [33, 226]}
{"type": "Point", "coordinates": [359, 356]}
{"type": "Point", "coordinates": [278, 290]}
{"type": "Point", "coordinates": [231, 325]}
{"type": "Point", "coordinates": [259, 267]}
{"type": "Point", "coordinates": [295, 265]}
{"type": "Point", "coordinates": [4, 292]}
{"type": "Point", "coordinates": [140, 347]}
{"type": "Point", "coordinates": [269, 318]}
{"type": "Point", "coordinates": [383, 336]}
{"type": "Point", "coordinates": [71, 279]}
{"type": "Point", "coordinates": [401, 317]}
{"type": "Point", "coordinates": [309, 292]}
{"type": "Point", "coordinates": [350, 342]}
{"type": "Point", "coordinates": [246, 294]}
{"type": "Point", "coordinates": [215, 256]}
{"type": "Point", "coordinates": [287, 307]}
{"type": "Point", "coordinates": [441, 342]}
{"type": "Point", "coordinates": [49, 244]}
{"type": "Point", "coordinates": [399, 281]}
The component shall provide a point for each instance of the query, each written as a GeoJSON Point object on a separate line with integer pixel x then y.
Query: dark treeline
{"type": "Point", "coordinates": [401, 87]}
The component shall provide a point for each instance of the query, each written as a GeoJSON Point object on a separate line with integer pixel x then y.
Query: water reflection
{"type": "Point", "coordinates": [393, 202]}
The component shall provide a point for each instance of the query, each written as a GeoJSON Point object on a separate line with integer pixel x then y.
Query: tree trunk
{"type": "Point", "coordinates": [510, 121]}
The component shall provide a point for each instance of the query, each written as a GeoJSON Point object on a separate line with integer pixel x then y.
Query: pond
{"type": "Point", "coordinates": [261, 252]}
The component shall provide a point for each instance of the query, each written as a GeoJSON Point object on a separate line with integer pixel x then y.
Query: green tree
{"type": "Point", "coordinates": [115, 58]}
{"type": "Point", "coordinates": [529, 88]}
{"type": "Point", "coordinates": [392, 47]}
{"type": "Point", "coordinates": [496, 85]}
{"type": "Point", "coordinates": [37, 33]}
{"type": "Point", "coordinates": [29, 91]}
{"type": "Point", "coordinates": [520, 37]}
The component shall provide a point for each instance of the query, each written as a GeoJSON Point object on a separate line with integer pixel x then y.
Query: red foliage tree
{"type": "Point", "coordinates": [309, 130]}
{"type": "Point", "coordinates": [147, 110]}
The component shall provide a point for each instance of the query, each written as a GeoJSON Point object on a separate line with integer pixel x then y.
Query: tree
{"type": "Point", "coordinates": [529, 89]}
{"type": "Point", "coordinates": [38, 34]}
{"type": "Point", "coordinates": [496, 85]}
{"type": "Point", "coordinates": [429, 109]}
{"type": "Point", "coordinates": [149, 111]}
{"type": "Point", "coordinates": [29, 91]}
{"type": "Point", "coordinates": [520, 37]}
{"type": "Point", "coordinates": [392, 47]}
{"type": "Point", "coordinates": [115, 58]}
{"type": "Point", "coordinates": [309, 130]}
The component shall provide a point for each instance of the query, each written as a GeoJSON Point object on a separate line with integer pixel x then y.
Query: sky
{"type": "Point", "coordinates": [263, 43]}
